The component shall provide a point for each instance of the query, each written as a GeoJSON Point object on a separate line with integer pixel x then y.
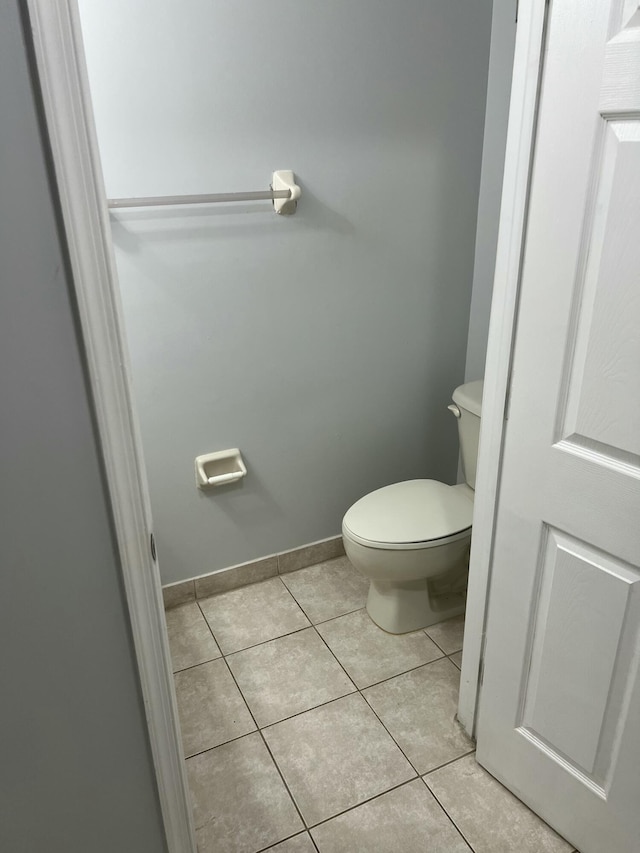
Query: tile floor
{"type": "Point", "coordinates": [307, 728]}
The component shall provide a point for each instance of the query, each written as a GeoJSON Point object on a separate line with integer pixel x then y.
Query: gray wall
{"type": "Point", "coordinates": [324, 345]}
{"type": "Point", "coordinates": [503, 35]}
{"type": "Point", "coordinates": [76, 773]}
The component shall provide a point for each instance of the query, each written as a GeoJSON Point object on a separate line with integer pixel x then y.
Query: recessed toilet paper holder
{"type": "Point", "coordinates": [219, 468]}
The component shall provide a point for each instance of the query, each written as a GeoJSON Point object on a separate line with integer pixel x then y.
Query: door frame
{"type": "Point", "coordinates": [64, 85]}
{"type": "Point", "coordinates": [59, 55]}
{"type": "Point", "coordinates": [523, 112]}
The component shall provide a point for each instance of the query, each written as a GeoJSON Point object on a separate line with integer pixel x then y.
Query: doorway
{"type": "Point", "coordinates": [141, 510]}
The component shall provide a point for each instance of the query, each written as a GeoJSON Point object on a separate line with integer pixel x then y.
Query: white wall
{"type": "Point", "coordinates": [503, 35]}
{"type": "Point", "coordinates": [76, 773]}
{"type": "Point", "coordinates": [324, 345]}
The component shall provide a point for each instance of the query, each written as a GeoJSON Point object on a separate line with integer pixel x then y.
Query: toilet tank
{"type": "Point", "coordinates": [468, 399]}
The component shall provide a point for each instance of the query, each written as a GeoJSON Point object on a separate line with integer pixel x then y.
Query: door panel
{"type": "Point", "coordinates": [602, 409]}
{"type": "Point", "coordinates": [559, 713]}
{"type": "Point", "coordinates": [577, 643]}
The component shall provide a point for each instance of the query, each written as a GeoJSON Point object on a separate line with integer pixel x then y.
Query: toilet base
{"type": "Point", "coordinates": [402, 607]}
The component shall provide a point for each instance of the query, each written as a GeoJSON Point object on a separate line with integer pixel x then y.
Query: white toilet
{"type": "Point", "coordinates": [412, 539]}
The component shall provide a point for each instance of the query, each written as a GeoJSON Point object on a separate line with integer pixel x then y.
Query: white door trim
{"type": "Point", "coordinates": [527, 65]}
{"type": "Point", "coordinates": [63, 79]}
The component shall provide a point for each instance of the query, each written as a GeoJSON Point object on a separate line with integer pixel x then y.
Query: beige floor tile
{"type": "Point", "coordinates": [211, 708]}
{"type": "Point", "coordinates": [448, 635]}
{"type": "Point", "coordinates": [329, 589]}
{"type": "Point", "coordinates": [489, 816]}
{"type": "Point", "coordinates": [457, 659]}
{"type": "Point", "coordinates": [251, 615]}
{"type": "Point", "coordinates": [288, 675]}
{"type": "Point", "coordinates": [369, 654]}
{"type": "Point", "coordinates": [419, 709]}
{"type": "Point", "coordinates": [190, 639]}
{"type": "Point", "coordinates": [407, 819]}
{"type": "Point", "coordinates": [335, 757]}
{"type": "Point", "coordinates": [240, 804]}
{"type": "Point", "coordinates": [298, 844]}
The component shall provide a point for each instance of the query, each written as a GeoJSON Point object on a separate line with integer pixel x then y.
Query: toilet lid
{"type": "Point", "coordinates": [412, 511]}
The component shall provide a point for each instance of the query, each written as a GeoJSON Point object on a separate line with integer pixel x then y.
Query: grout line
{"type": "Point", "coordinates": [318, 621]}
{"type": "Point", "coordinates": [264, 642]}
{"type": "Point", "coordinates": [454, 824]}
{"type": "Point", "coordinates": [391, 736]}
{"type": "Point", "coordinates": [334, 656]}
{"type": "Point", "coordinates": [264, 741]}
{"type": "Point", "coordinates": [208, 626]}
{"type": "Point", "coordinates": [364, 802]}
{"type": "Point", "coordinates": [246, 704]}
{"type": "Point", "coordinates": [288, 838]}
{"type": "Point", "coordinates": [382, 680]}
{"type": "Point", "coordinates": [255, 722]}
{"type": "Point", "coordinates": [404, 672]}
{"type": "Point", "coordinates": [339, 616]}
{"type": "Point", "coordinates": [424, 631]}
{"type": "Point", "coordinates": [194, 665]}
{"type": "Point", "coordinates": [453, 662]}
{"type": "Point", "coordinates": [308, 710]}
{"type": "Point", "coordinates": [223, 743]}
{"type": "Point", "coordinates": [253, 645]}
{"type": "Point", "coordinates": [447, 763]}
{"type": "Point", "coordinates": [297, 603]}
{"type": "Point", "coordinates": [284, 781]}
{"type": "Point", "coordinates": [295, 599]}
{"type": "Point", "coordinates": [454, 652]}
{"type": "Point", "coordinates": [360, 693]}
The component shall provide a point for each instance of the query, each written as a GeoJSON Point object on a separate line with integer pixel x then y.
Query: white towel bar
{"type": "Point", "coordinates": [284, 193]}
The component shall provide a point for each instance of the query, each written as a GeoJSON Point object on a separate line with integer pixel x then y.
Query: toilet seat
{"type": "Point", "coordinates": [411, 515]}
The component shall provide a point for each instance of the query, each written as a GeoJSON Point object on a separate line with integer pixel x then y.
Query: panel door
{"type": "Point", "coordinates": [559, 713]}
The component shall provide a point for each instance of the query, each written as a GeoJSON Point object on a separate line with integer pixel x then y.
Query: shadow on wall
{"type": "Point", "coordinates": [130, 227]}
{"type": "Point", "coordinates": [251, 508]}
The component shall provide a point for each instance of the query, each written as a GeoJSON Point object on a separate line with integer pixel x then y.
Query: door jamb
{"type": "Point", "coordinates": [57, 42]}
{"type": "Point", "coordinates": [525, 87]}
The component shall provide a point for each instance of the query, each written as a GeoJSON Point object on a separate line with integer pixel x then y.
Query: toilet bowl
{"type": "Point", "coordinates": [412, 538]}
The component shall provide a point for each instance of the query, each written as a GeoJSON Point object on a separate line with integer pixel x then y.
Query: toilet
{"type": "Point", "coordinates": [412, 539]}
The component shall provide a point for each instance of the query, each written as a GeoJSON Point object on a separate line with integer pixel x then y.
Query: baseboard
{"type": "Point", "coordinates": [234, 577]}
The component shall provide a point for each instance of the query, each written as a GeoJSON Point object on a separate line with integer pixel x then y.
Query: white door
{"type": "Point", "coordinates": [559, 713]}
